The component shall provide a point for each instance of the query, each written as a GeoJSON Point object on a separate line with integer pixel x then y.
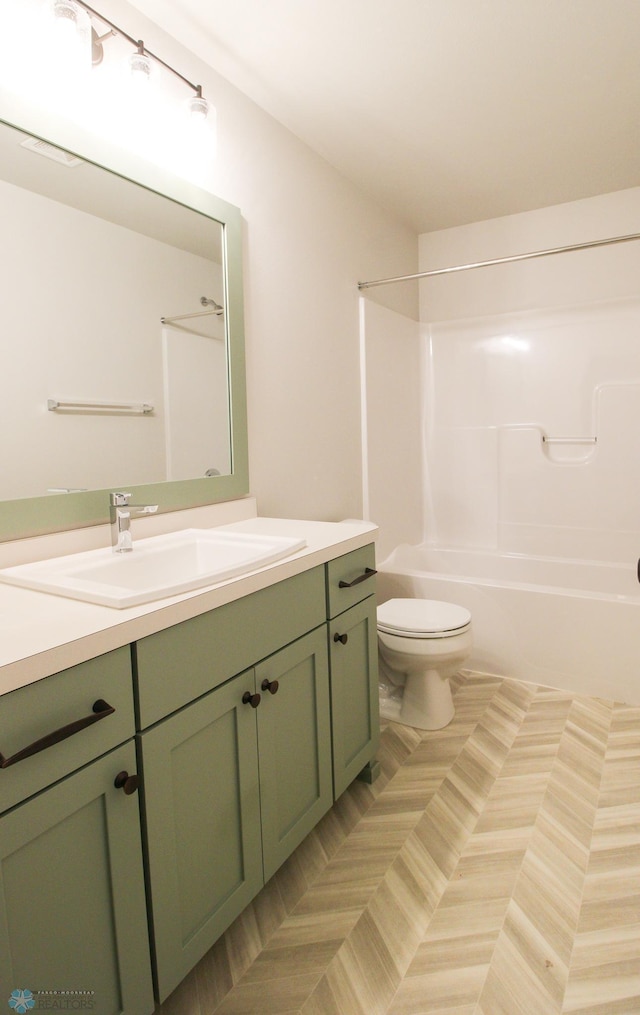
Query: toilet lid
{"type": "Point", "coordinates": [422, 618]}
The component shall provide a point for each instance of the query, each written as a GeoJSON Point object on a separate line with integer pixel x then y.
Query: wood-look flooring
{"type": "Point", "coordinates": [492, 869]}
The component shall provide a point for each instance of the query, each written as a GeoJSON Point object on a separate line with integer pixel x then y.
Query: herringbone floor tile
{"type": "Point", "coordinates": [492, 869]}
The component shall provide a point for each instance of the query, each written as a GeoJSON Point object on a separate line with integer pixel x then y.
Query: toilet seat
{"type": "Point", "coordinates": [422, 618]}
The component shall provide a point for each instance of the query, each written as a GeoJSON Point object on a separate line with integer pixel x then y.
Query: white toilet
{"type": "Point", "coordinates": [422, 643]}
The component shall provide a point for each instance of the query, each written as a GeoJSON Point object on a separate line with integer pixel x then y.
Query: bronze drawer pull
{"type": "Point", "coordinates": [100, 711]}
{"type": "Point", "coordinates": [343, 638]}
{"type": "Point", "coordinates": [368, 573]}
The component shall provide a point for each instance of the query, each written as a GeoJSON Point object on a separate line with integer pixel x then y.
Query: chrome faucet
{"type": "Point", "coordinates": [120, 514]}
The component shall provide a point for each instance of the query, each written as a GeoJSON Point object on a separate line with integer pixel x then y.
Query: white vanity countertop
{"type": "Point", "coordinates": [41, 634]}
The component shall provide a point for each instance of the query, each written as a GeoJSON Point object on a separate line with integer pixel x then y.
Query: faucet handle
{"type": "Point", "coordinates": [119, 499]}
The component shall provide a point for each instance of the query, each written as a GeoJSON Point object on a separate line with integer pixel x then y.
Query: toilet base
{"type": "Point", "coordinates": [427, 703]}
{"type": "Point", "coordinates": [422, 668]}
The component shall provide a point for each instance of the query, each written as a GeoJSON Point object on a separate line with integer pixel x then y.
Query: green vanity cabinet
{"type": "Point", "coordinates": [73, 911]}
{"type": "Point", "coordinates": [243, 725]}
{"type": "Point", "coordinates": [232, 784]}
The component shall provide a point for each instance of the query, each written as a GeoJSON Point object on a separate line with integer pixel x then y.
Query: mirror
{"type": "Point", "coordinates": [122, 337]}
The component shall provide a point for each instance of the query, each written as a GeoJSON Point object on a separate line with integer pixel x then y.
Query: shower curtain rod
{"type": "Point", "coordinates": [502, 260]}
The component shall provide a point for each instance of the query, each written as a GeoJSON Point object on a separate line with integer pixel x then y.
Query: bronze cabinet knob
{"type": "Point", "coordinates": [127, 783]}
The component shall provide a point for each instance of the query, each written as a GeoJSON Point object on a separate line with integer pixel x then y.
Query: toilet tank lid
{"type": "Point", "coordinates": [421, 615]}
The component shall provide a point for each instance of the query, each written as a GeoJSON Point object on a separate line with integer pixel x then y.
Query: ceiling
{"type": "Point", "coordinates": [445, 111]}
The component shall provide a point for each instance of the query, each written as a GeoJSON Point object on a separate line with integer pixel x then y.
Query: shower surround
{"type": "Point", "coordinates": [531, 430]}
{"type": "Point", "coordinates": [538, 449]}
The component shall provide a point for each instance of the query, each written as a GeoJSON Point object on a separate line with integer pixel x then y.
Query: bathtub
{"type": "Point", "coordinates": [569, 624]}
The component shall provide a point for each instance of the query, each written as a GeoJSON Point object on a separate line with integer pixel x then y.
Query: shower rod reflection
{"type": "Point", "coordinates": [502, 260]}
{"type": "Point", "coordinates": [206, 301]}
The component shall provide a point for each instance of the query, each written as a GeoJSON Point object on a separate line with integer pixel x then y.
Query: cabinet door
{"type": "Point", "coordinates": [294, 740]}
{"type": "Point", "coordinates": [354, 691]}
{"type": "Point", "coordinates": [72, 907]}
{"type": "Point", "coordinates": [202, 816]}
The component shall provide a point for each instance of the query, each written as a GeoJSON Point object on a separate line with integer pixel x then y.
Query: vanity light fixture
{"type": "Point", "coordinates": [66, 13]}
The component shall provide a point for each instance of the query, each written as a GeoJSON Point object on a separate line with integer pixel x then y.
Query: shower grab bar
{"type": "Point", "coordinates": [569, 440]}
{"type": "Point", "coordinates": [129, 408]}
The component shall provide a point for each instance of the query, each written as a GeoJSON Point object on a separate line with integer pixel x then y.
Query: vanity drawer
{"type": "Point", "coordinates": [179, 664]}
{"type": "Point", "coordinates": [44, 710]}
{"type": "Point", "coordinates": [351, 570]}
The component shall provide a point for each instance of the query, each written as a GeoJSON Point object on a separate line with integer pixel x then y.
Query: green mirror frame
{"type": "Point", "coordinates": [38, 515]}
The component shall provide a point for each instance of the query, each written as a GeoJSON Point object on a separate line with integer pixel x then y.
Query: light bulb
{"type": "Point", "coordinates": [140, 65]}
{"type": "Point", "coordinates": [66, 13]}
{"type": "Point", "coordinates": [65, 25]}
{"type": "Point", "coordinates": [70, 43]}
{"type": "Point", "coordinates": [198, 107]}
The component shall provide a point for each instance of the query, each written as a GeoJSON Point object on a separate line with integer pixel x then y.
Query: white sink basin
{"type": "Point", "coordinates": [156, 567]}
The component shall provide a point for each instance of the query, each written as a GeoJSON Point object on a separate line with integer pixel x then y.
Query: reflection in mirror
{"type": "Point", "coordinates": [114, 369]}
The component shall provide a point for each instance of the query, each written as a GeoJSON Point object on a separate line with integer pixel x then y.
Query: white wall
{"type": "Point", "coordinates": [310, 236]}
{"type": "Point", "coordinates": [544, 347]}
